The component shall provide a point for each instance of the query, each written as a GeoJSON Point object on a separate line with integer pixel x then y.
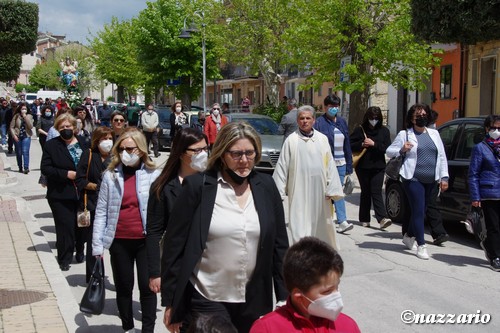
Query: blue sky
{"type": "Point", "coordinates": [75, 18]}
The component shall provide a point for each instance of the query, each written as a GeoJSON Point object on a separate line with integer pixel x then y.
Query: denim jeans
{"type": "Point", "coordinates": [23, 153]}
{"type": "Point", "coordinates": [340, 204]}
{"type": "Point", "coordinates": [4, 134]}
{"type": "Point", "coordinates": [418, 195]}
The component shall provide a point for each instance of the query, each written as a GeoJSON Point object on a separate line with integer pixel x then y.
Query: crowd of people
{"type": "Point", "coordinates": [208, 231]}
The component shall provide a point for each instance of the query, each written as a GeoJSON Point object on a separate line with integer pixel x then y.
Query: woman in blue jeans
{"type": "Point", "coordinates": [424, 166]}
{"type": "Point", "coordinates": [21, 129]}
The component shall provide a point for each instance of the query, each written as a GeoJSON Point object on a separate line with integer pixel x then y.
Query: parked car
{"type": "Point", "coordinates": [271, 140]}
{"type": "Point", "coordinates": [459, 136]}
{"type": "Point", "coordinates": [164, 139]}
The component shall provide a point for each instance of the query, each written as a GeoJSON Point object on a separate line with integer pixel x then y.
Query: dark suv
{"type": "Point", "coordinates": [459, 136]}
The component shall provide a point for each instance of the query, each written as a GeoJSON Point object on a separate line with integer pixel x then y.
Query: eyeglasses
{"type": "Point", "coordinates": [118, 120]}
{"type": "Point", "coordinates": [238, 154]}
{"type": "Point", "coordinates": [196, 151]}
{"type": "Point", "coordinates": [129, 150]}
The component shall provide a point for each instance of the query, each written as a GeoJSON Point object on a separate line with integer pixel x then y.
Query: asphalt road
{"type": "Point", "coordinates": [382, 279]}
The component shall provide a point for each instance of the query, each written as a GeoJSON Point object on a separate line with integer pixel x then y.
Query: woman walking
{"type": "Point", "coordinates": [45, 122]}
{"type": "Point", "coordinates": [484, 184]}
{"type": "Point", "coordinates": [120, 224]}
{"type": "Point", "coordinates": [424, 166]}
{"type": "Point", "coordinates": [375, 138]}
{"type": "Point", "coordinates": [21, 130]}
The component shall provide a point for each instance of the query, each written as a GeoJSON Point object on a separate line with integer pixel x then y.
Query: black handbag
{"type": "Point", "coordinates": [394, 165]}
{"type": "Point", "coordinates": [94, 296]}
{"type": "Point", "coordinates": [475, 223]}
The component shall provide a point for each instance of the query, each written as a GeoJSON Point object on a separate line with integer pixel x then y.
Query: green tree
{"type": "Point", "coordinates": [45, 76]}
{"type": "Point", "coordinates": [465, 21]}
{"type": "Point", "coordinates": [115, 56]}
{"type": "Point", "coordinates": [252, 34]}
{"type": "Point", "coordinates": [18, 35]}
{"type": "Point", "coordinates": [164, 55]}
{"type": "Point", "coordinates": [377, 35]}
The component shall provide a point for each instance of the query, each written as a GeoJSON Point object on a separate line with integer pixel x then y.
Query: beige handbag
{"type": "Point", "coordinates": [356, 156]}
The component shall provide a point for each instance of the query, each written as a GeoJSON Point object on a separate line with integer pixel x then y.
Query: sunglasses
{"type": "Point", "coordinates": [129, 150]}
{"type": "Point", "coordinates": [494, 128]}
{"type": "Point", "coordinates": [216, 109]}
{"type": "Point", "coordinates": [118, 120]}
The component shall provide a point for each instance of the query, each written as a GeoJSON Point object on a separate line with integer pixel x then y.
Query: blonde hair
{"type": "Point", "coordinates": [139, 139]}
{"type": "Point", "coordinates": [227, 137]}
{"type": "Point", "coordinates": [65, 117]}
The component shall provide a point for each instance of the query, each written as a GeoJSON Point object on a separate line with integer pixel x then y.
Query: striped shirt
{"type": "Point", "coordinates": [338, 147]}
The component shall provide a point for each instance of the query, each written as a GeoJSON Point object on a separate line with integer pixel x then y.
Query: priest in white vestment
{"type": "Point", "coordinates": [307, 174]}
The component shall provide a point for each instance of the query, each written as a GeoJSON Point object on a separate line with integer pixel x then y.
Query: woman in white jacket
{"type": "Point", "coordinates": [424, 165]}
{"type": "Point", "coordinates": [120, 224]}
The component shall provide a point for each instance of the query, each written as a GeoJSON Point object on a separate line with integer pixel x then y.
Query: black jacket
{"type": "Point", "coordinates": [374, 158]}
{"type": "Point", "coordinates": [97, 167]}
{"type": "Point", "coordinates": [55, 164]}
{"type": "Point", "coordinates": [158, 216]}
{"type": "Point", "coordinates": [186, 238]}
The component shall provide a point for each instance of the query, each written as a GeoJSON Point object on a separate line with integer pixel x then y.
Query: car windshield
{"type": "Point", "coordinates": [263, 126]}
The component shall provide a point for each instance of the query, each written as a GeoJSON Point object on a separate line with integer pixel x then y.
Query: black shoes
{"type": "Point", "coordinates": [157, 155]}
{"type": "Point", "coordinates": [26, 171]}
{"type": "Point", "coordinates": [441, 239]}
{"type": "Point", "coordinates": [64, 267]}
{"type": "Point", "coordinates": [79, 258]}
{"type": "Point", "coordinates": [495, 264]}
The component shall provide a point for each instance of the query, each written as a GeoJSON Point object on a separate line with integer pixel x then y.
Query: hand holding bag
{"type": "Point", "coordinates": [348, 185]}
{"type": "Point", "coordinates": [83, 217]}
{"type": "Point", "coordinates": [394, 165]}
{"type": "Point", "coordinates": [356, 156]}
{"type": "Point", "coordinates": [94, 296]}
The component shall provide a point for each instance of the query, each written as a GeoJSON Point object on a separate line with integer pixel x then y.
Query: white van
{"type": "Point", "coordinates": [30, 97]}
{"type": "Point", "coordinates": [54, 94]}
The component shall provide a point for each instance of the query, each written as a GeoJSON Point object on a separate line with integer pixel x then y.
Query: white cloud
{"type": "Point", "coordinates": [75, 18]}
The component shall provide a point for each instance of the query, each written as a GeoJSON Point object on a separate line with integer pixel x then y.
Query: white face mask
{"type": "Point", "coordinates": [328, 306]}
{"type": "Point", "coordinates": [106, 145]}
{"type": "Point", "coordinates": [215, 112]}
{"type": "Point", "coordinates": [199, 161]}
{"type": "Point", "coordinates": [494, 134]}
{"type": "Point", "coordinates": [373, 122]}
{"type": "Point", "coordinates": [129, 159]}
{"type": "Point", "coordinates": [178, 109]}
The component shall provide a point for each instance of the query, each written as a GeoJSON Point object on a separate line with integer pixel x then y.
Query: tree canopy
{"type": "Point", "coordinates": [464, 21]}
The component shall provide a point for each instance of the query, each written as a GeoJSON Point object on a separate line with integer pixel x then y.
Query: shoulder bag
{"type": "Point", "coordinates": [356, 156]}
{"type": "Point", "coordinates": [394, 165]}
{"type": "Point", "coordinates": [83, 217]}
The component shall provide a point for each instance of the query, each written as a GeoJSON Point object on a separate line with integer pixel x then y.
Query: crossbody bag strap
{"type": "Point", "coordinates": [87, 178]}
{"type": "Point", "coordinates": [363, 131]}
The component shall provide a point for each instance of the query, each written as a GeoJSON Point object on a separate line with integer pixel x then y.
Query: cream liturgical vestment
{"type": "Point", "coordinates": [306, 173]}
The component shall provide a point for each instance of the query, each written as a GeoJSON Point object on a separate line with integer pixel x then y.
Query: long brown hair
{"type": "Point", "coordinates": [182, 140]}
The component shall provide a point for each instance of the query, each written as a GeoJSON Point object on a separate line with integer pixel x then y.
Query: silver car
{"type": "Point", "coordinates": [271, 140]}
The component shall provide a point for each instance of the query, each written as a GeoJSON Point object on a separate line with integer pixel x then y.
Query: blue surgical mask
{"type": "Point", "coordinates": [48, 114]}
{"type": "Point", "coordinates": [332, 111]}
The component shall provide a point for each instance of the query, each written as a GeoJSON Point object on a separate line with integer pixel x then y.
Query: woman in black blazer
{"type": "Point", "coordinates": [101, 144]}
{"type": "Point", "coordinates": [59, 160]}
{"type": "Point", "coordinates": [226, 238]}
{"type": "Point", "coordinates": [187, 156]}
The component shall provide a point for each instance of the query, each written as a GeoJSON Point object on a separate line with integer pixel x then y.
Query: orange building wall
{"type": "Point", "coordinates": [446, 107]}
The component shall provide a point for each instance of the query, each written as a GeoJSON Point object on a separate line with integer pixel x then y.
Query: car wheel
{"type": "Point", "coordinates": [396, 202]}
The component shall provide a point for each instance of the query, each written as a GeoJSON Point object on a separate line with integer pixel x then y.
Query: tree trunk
{"type": "Point", "coordinates": [120, 94]}
{"type": "Point", "coordinates": [358, 106]}
{"type": "Point", "coordinates": [272, 81]}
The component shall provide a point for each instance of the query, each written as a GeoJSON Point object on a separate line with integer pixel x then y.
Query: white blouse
{"type": "Point", "coordinates": [230, 256]}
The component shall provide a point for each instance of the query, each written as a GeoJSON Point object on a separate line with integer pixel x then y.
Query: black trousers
{"type": "Point", "coordinates": [491, 210]}
{"type": "Point", "coordinates": [123, 254]}
{"type": "Point", "coordinates": [432, 216]}
{"type": "Point", "coordinates": [152, 137]}
{"type": "Point", "coordinates": [236, 313]}
{"type": "Point", "coordinates": [64, 213]}
{"type": "Point", "coordinates": [371, 181]}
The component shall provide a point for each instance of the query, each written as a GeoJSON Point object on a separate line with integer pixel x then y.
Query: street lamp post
{"type": "Point", "coordinates": [186, 33]}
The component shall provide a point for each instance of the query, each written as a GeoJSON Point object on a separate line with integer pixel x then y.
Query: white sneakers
{"type": "Point", "coordinates": [409, 242]}
{"type": "Point", "coordinates": [344, 226]}
{"type": "Point", "coordinates": [422, 252]}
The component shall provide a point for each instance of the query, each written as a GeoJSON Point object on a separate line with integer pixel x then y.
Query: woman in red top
{"type": "Point", "coordinates": [214, 123]}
